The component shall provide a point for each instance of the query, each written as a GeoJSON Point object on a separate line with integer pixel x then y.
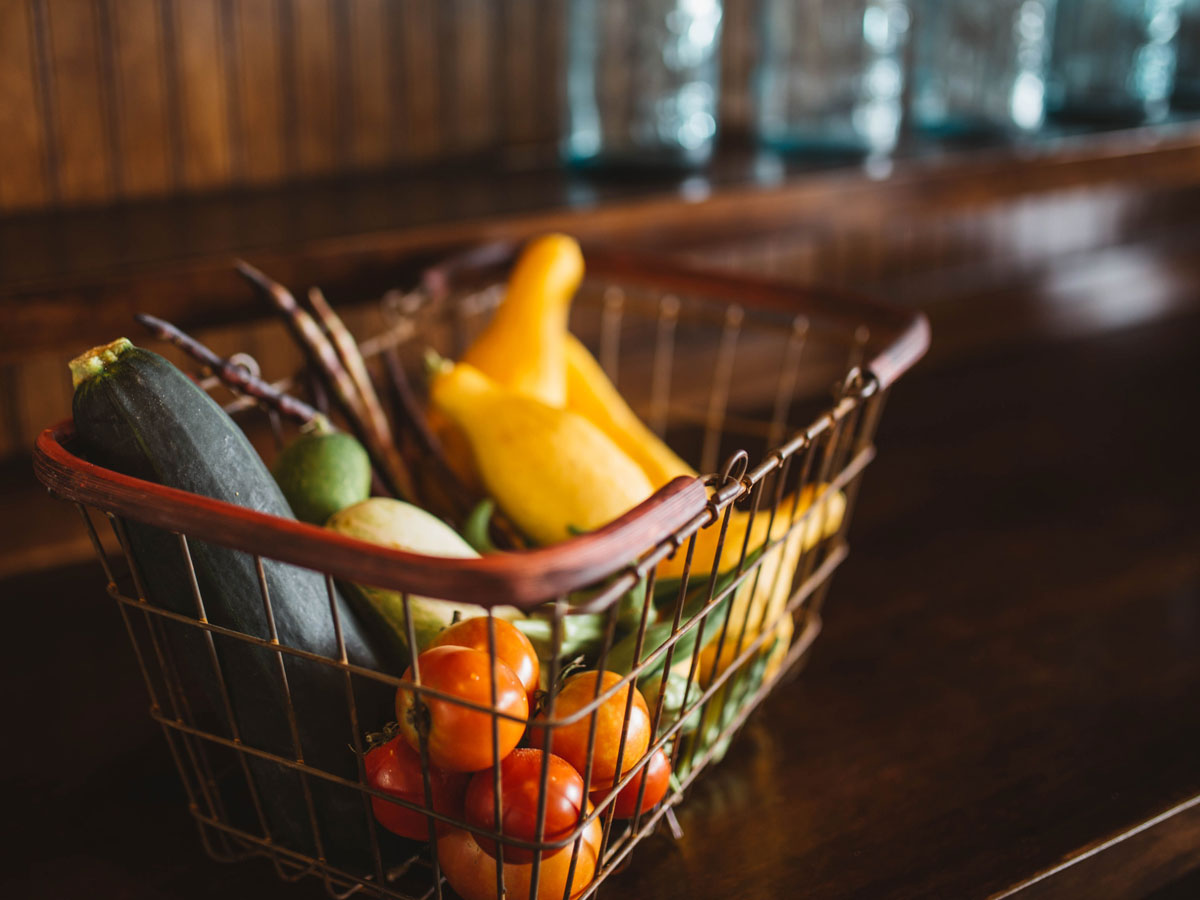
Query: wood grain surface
{"type": "Point", "coordinates": [122, 99]}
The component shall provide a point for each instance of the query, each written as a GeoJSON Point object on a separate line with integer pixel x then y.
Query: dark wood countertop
{"type": "Point", "coordinates": [1007, 679]}
{"type": "Point", "coordinates": [1004, 696]}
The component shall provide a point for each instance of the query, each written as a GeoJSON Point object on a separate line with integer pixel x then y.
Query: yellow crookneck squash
{"type": "Point", "coordinates": [522, 347]}
{"type": "Point", "coordinates": [552, 471]}
{"type": "Point", "coordinates": [593, 396]}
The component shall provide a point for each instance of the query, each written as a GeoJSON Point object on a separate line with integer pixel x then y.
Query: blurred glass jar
{"type": "Point", "coordinates": [979, 66]}
{"type": "Point", "coordinates": [1113, 60]}
{"type": "Point", "coordinates": [1187, 64]}
{"type": "Point", "coordinates": [831, 74]}
{"type": "Point", "coordinates": [642, 82]}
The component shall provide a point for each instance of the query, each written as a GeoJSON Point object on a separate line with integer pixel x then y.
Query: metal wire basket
{"type": "Point", "coordinates": [729, 368]}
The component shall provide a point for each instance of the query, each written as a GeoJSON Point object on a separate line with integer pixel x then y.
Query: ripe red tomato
{"type": "Point", "coordinates": [460, 738]}
{"type": "Point", "coordinates": [571, 741]}
{"type": "Point", "coordinates": [472, 872]}
{"type": "Point", "coordinates": [512, 647]}
{"type": "Point", "coordinates": [520, 789]}
{"type": "Point", "coordinates": [395, 768]}
{"type": "Point", "coordinates": [657, 775]}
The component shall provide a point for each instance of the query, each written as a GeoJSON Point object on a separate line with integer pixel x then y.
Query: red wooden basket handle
{"type": "Point", "coordinates": [524, 578]}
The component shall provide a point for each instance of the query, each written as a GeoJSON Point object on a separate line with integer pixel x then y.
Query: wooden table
{"type": "Point", "coordinates": [1007, 681]}
{"type": "Point", "coordinates": [1004, 695]}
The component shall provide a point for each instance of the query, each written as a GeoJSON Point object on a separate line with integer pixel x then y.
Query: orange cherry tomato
{"type": "Point", "coordinates": [657, 775]}
{"type": "Point", "coordinates": [472, 872]}
{"type": "Point", "coordinates": [571, 741]}
{"type": "Point", "coordinates": [512, 647]}
{"type": "Point", "coordinates": [460, 738]}
{"type": "Point", "coordinates": [520, 793]}
{"type": "Point", "coordinates": [395, 768]}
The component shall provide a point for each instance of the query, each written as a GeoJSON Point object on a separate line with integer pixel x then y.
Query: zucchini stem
{"type": "Point", "coordinates": [93, 362]}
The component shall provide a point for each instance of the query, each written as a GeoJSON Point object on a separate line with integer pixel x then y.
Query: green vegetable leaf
{"type": "Point", "coordinates": [621, 658]}
{"type": "Point", "coordinates": [476, 528]}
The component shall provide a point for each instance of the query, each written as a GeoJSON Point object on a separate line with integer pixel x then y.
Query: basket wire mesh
{"type": "Point", "coordinates": [716, 667]}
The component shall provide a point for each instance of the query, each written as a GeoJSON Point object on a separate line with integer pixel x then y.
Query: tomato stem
{"type": "Point", "coordinates": [379, 738]}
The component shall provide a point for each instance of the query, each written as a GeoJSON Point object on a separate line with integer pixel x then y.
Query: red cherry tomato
{"type": "Point", "coordinates": [571, 741]}
{"type": "Point", "coordinates": [512, 647]}
{"type": "Point", "coordinates": [460, 738]}
{"type": "Point", "coordinates": [657, 775]}
{"type": "Point", "coordinates": [395, 768]}
{"type": "Point", "coordinates": [472, 872]}
{"type": "Point", "coordinates": [520, 790]}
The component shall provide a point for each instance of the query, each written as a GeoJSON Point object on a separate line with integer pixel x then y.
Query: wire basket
{"type": "Point", "coordinates": [731, 369]}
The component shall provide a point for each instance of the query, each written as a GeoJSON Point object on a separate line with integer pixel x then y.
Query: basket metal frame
{"type": "Point", "coordinates": [827, 456]}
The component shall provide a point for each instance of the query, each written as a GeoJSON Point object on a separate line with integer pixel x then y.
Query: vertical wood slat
{"type": "Point", "coordinates": [142, 124]}
{"type": "Point", "coordinates": [551, 40]}
{"type": "Point", "coordinates": [368, 51]}
{"type": "Point", "coordinates": [343, 74]}
{"type": "Point", "coordinates": [258, 36]}
{"type": "Point", "coordinates": [227, 25]}
{"type": "Point", "coordinates": [201, 66]}
{"type": "Point", "coordinates": [314, 76]}
{"type": "Point", "coordinates": [81, 100]}
{"type": "Point", "coordinates": [113, 99]}
{"type": "Point", "coordinates": [472, 108]}
{"type": "Point", "coordinates": [397, 81]}
{"type": "Point", "coordinates": [423, 94]}
{"type": "Point", "coordinates": [23, 147]}
{"type": "Point", "coordinates": [521, 71]}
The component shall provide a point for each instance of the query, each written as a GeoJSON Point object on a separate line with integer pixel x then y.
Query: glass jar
{"type": "Point", "coordinates": [1187, 62]}
{"type": "Point", "coordinates": [830, 76]}
{"type": "Point", "coordinates": [642, 82]}
{"type": "Point", "coordinates": [1113, 60]}
{"type": "Point", "coordinates": [979, 66]}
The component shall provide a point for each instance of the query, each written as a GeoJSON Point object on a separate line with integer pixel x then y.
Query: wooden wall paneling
{"type": "Point", "coordinates": [343, 100]}
{"type": "Point", "coordinates": [369, 94]}
{"type": "Point", "coordinates": [142, 145]}
{"type": "Point", "coordinates": [202, 68]}
{"type": "Point", "coordinates": [260, 78]}
{"type": "Point", "coordinates": [227, 25]}
{"type": "Point", "coordinates": [83, 107]}
{"type": "Point", "coordinates": [314, 75]}
{"type": "Point", "coordinates": [499, 49]}
{"type": "Point", "coordinates": [114, 99]}
{"type": "Point", "coordinates": [397, 79]}
{"type": "Point", "coordinates": [23, 169]}
{"type": "Point", "coordinates": [522, 72]}
{"type": "Point", "coordinates": [423, 94]}
{"type": "Point", "coordinates": [551, 55]}
{"type": "Point", "coordinates": [447, 74]}
{"type": "Point", "coordinates": [473, 105]}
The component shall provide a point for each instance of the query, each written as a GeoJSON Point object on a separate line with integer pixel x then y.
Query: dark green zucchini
{"type": "Point", "coordinates": [139, 415]}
